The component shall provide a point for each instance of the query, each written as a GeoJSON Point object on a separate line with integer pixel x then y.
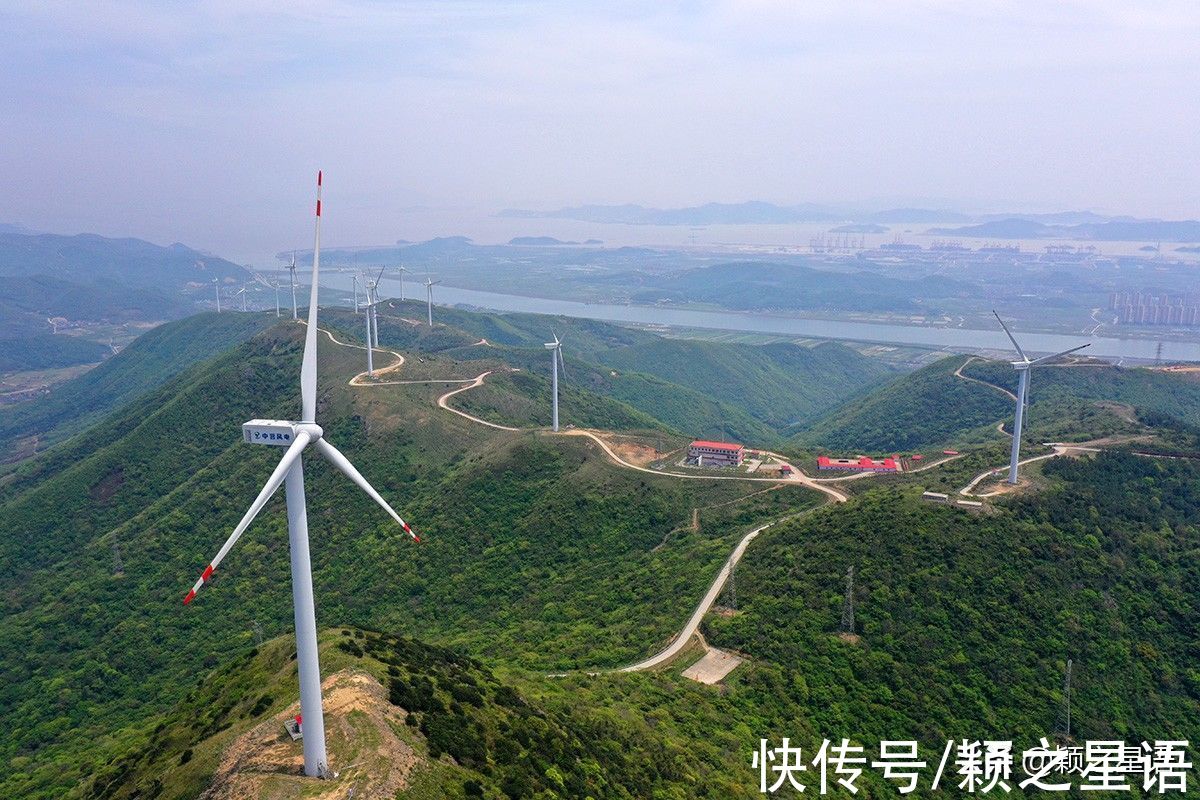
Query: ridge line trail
{"type": "Point", "coordinates": [958, 374]}
{"type": "Point", "coordinates": [690, 628]}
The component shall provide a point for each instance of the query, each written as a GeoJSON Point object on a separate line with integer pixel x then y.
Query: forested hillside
{"type": "Point", "coordinates": [46, 351]}
{"type": "Point", "coordinates": [534, 549]}
{"type": "Point", "coordinates": [151, 360]}
{"type": "Point", "coordinates": [967, 622]}
{"type": "Point", "coordinates": [1051, 388]}
{"type": "Point", "coordinates": [925, 408]}
{"type": "Point", "coordinates": [701, 389]}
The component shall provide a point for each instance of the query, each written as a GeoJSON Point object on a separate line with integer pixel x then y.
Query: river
{"type": "Point", "coordinates": [957, 339]}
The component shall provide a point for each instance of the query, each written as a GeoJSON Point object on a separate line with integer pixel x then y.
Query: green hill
{"type": "Point", "coordinates": [151, 360]}
{"type": "Point", "coordinates": [541, 556]}
{"type": "Point", "coordinates": [28, 301]}
{"type": "Point", "coordinates": [779, 384]}
{"type": "Point", "coordinates": [90, 259]}
{"type": "Point", "coordinates": [926, 408]}
{"type": "Point", "coordinates": [534, 551]}
{"type": "Point", "coordinates": [464, 731]}
{"type": "Point", "coordinates": [46, 351]}
{"type": "Point", "coordinates": [1052, 388]}
{"type": "Point", "coordinates": [741, 392]}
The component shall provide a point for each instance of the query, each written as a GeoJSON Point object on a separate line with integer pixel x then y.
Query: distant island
{"type": "Point", "coordinates": [1067, 224]}
{"type": "Point", "coordinates": [1123, 230]}
{"type": "Point", "coordinates": [860, 227]}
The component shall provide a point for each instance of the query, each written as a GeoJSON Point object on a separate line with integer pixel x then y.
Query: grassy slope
{"type": "Point", "coordinates": [925, 408]}
{"type": "Point", "coordinates": [533, 550]}
{"type": "Point", "coordinates": [151, 360]}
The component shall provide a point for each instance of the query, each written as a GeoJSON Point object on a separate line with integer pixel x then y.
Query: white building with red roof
{"type": "Point", "coordinates": [716, 454]}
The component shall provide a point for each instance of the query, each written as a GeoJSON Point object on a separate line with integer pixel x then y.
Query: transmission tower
{"type": "Point", "coordinates": [258, 634]}
{"type": "Point", "coordinates": [118, 567]}
{"type": "Point", "coordinates": [1064, 717]}
{"type": "Point", "coordinates": [1158, 354]}
{"type": "Point", "coordinates": [848, 604]}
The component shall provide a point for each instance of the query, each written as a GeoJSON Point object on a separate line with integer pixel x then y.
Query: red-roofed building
{"type": "Point", "coordinates": [860, 464]}
{"type": "Point", "coordinates": [716, 454]}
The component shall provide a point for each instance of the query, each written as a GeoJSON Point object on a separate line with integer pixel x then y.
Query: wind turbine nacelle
{"type": "Point", "coordinates": [278, 432]}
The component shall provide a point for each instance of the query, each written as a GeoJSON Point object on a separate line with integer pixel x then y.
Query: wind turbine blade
{"type": "Point", "coordinates": [308, 369]}
{"type": "Point", "coordinates": [1010, 336]}
{"type": "Point", "coordinates": [336, 458]}
{"type": "Point", "coordinates": [562, 361]}
{"type": "Point", "coordinates": [1044, 359]}
{"type": "Point", "coordinates": [269, 488]}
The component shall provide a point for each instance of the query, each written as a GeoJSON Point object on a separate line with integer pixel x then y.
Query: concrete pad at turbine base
{"type": "Point", "coordinates": [713, 666]}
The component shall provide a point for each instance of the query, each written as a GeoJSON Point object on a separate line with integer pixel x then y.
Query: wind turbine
{"type": "Point", "coordinates": [292, 270]}
{"type": "Point", "coordinates": [556, 358]}
{"type": "Point", "coordinates": [217, 289]}
{"type": "Point", "coordinates": [370, 346]}
{"type": "Point", "coordinates": [277, 301]}
{"type": "Point", "coordinates": [375, 307]}
{"type": "Point", "coordinates": [242, 292]}
{"type": "Point", "coordinates": [429, 298]}
{"type": "Point", "coordinates": [355, 280]}
{"type": "Point", "coordinates": [401, 270]}
{"type": "Point", "coordinates": [296, 436]}
{"type": "Point", "coordinates": [1022, 367]}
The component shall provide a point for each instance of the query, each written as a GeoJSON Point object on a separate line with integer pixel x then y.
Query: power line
{"type": "Point", "coordinates": [848, 603]}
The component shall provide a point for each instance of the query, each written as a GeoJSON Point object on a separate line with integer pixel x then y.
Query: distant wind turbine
{"type": "Point", "coordinates": [296, 436]}
{"type": "Point", "coordinates": [1022, 367]}
{"type": "Point", "coordinates": [242, 292]}
{"type": "Point", "coordinates": [354, 278]}
{"type": "Point", "coordinates": [375, 306]}
{"type": "Point", "coordinates": [401, 270]}
{"type": "Point", "coordinates": [217, 289]}
{"type": "Point", "coordinates": [429, 298]}
{"type": "Point", "coordinates": [292, 270]}
{"type": "Point", "coordinates": [277, 301]}
{"type": "Point", "coordinates": [556, 358]}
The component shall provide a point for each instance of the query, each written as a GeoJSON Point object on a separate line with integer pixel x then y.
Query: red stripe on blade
{"type": "Point", "coordinates": [208, 571]}
{"type": "Point", "coordinates": [318, 177]}
{"type": "Point", "coordinates": [318, 208]}
{"type": "Point", "coordinates": [190, 596]}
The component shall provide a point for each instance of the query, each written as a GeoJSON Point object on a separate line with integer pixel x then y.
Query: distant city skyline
{"type": "Point", "coordinates": [205, 124]}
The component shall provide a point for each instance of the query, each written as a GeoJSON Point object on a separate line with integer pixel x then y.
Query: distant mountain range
{"type": "Point", "coordinates": [97, 279]}
{"type": "Point", "coordinates": [1110, 230]}
{"type": "Point", "coordinates": [1068, 224]}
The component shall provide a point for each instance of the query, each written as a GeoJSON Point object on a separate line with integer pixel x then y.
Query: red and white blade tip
{"type": "Point", "coordinates": [204, 576]}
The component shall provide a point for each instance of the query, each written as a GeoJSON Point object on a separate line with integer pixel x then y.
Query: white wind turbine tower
{"type": "Point", "coordinates": [277, 301]}
{"type": "Point", "coordinates": [242, 292]}
{"type": "Point", "coordinates": [375, 307]}
{"type": "Point", "coordinates": [1022, 367]}
{"type": "Point", "coordinates": [292, 270]}
{"type": "Point", "coordinates": [429, 298]}
{"type": "Point", "coordinates": [296, 436]}
{"type": "Point", "coordinates": [556, 358]}
{"type": "Point", "coordinates": [217, 289]}
{"type": "Point", "coordinates": [401, 270]}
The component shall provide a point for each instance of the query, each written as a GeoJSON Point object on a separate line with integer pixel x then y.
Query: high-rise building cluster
{"type": "Point", "coordinates": [1148, 308]}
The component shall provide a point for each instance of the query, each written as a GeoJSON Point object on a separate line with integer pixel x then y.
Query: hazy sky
{"type": "Point", "coordinates": [204, 122]}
